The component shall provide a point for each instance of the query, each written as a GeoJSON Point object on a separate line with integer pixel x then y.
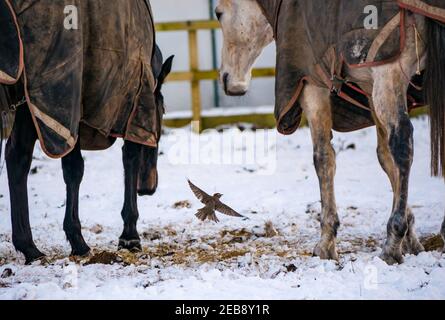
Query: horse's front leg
{"type": "Point", "coordinates": [130, 240]}
{"type": "Point", "coordinates": [73, 170]}
{"type": "Point", "coordinates": [395, 152]}
{"type": "Point", "coordinates": [19, 151]}
{"type": "Point", "coordinates": [317, 107]}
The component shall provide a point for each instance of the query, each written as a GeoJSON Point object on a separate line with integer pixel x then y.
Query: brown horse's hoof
{"type": "Point", "coordinates": [33, 255]}
{"type": "Point", "coordinates": [81, 254]}
{"type": "Point", "coordinates": [130, 245]}
{"type": "Point", "coordinates": [79, 248]}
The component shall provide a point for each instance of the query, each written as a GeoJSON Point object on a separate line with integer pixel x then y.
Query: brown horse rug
{"type": "Point", "coordinates": [323, 37]}
{"type": "Point", "coordinates": [86, 67]}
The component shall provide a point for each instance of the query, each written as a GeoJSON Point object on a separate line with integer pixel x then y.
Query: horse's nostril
{"type": "Point", "coordinates": [225, 80]}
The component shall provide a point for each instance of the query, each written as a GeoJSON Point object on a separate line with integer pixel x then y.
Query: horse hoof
{"type": "Point", "coordinates": [326, 252]}
{"type": "Point", "coordinates": [81, 252]}
{"type": "Point", "coordinates": [392, 257]}
{"type": "Point", "coordinates": [130, 245]}
{"type": "Point", "coordinates": [33, 255]}
{"type": "Point", "coordinates": [412, 246]}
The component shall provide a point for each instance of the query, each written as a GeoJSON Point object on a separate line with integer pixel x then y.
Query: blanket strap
{"type": "Point", "coordinates": [335, 84]}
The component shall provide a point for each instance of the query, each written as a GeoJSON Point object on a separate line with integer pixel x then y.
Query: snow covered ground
{"type": "Point", "coordinates": [184, 258]}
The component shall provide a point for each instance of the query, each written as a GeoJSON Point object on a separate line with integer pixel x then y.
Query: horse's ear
{"type": "Point", "coordinates": [166, 69]}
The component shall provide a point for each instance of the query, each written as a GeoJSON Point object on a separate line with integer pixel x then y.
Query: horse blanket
{"type": "Point", "coordinates": [86, 69]}
{"type": "Point", "coordinates": [434, 9]}
{"type": "Point", "coordinates": [315, 41]}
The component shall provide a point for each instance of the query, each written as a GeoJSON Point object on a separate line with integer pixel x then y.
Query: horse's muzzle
{"type": "Point", "coordinates": [147, 186]}
{"type": "Point", "coordinates": [233, 91]}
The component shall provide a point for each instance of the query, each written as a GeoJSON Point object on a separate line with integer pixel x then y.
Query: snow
{"type": "Point", "coordinates": [222, 112]}
{"type": "Point", "coordinates": [184, 258]}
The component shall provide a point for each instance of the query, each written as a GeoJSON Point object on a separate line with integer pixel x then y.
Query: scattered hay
{"type": "Point", "coordinates": [242, 233]}
{"type": "Point", "coordinates": [97, 229]}
{"type": "Point", "coordinates": [104, 257]}
{"type": "Point", "coordinates": [152, 235]}
{"type": "Point", "coordinates": [432, 243]}
{"type": "Point", "coordinates": [270, 230]}
{"type": "Point", "coordinates": [185, 204]}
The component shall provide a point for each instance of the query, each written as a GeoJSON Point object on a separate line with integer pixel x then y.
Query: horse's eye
{"type": "Point", "coordinates": [218, 14]}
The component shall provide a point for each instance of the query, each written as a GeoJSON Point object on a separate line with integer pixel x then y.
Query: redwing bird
{"type": "Point", "coordinates": [212, 204]}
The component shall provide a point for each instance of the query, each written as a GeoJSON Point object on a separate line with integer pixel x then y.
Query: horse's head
{"type": "Point", "coordinates": [148, 173]}
{"type": "Point", "coordinates": [246, 33]}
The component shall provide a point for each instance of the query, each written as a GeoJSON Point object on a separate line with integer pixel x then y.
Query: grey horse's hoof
{"type": "Point", "coordinates": [392, 257]}
{"type": "Point", "coordinates": [412, 246]}
{"type": "Point", "coordinates": [326, 252]}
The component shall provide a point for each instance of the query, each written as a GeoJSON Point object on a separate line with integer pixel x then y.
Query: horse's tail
{"type": "Point", "coordinates": [434, 84]}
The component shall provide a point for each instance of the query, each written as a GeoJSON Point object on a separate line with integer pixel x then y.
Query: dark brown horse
{"type": "Point", "coordinates": [140, 167]}
{"type": "Point", "coordinates": [80, 89]}
{"type": "Point", "coordinates": [250, 25]}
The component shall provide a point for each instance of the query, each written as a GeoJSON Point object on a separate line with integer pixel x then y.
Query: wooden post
{"type": "Point", "coordinates": [194, 68]}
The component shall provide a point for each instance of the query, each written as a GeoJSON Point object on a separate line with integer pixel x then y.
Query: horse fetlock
{"type": "Point", "coordinates": [79, 248]}
{"type": "Point", "coordinates": [329, 225]}
{"type": "Point", "coordinates": [397, 228]}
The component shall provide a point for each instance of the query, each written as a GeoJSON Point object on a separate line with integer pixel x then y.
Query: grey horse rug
{"type": "Point", "coordinates": [86, 68]}
{"type": "Point", "coordinates": [323, 38]}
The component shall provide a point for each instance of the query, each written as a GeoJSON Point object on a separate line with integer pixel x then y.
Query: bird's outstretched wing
{"type": "Point", "coordinates": [201, 195]}
{"type": "Point", "coordinates": [225, 209]}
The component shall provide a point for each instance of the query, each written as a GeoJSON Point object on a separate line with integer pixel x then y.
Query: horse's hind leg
{"type": "Point", "coordinates": [317, 107]}
{"type": "Point", "coordinates": [73, 169]}
{"type": "Point", "coordinates": [410, 244]}
{"type": "Point", "coordinates": [19, 151]}
{"type": "Point", "coordinates": [131, 154]}
{"type": "Point", "coordinates": [396, 155]}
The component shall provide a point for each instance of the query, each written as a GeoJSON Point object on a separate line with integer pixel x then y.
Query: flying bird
{"type": "Point", "coordinates": [212, 204]}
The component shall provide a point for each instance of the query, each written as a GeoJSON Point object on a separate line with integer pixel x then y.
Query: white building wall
{"type": "Point", "coordinates": [177, 94]}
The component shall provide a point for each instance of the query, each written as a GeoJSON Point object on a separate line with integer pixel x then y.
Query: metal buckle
{"type": "Point", "coordinates": [13, 107]}
{"type": "Point", "coordinates": [337, 84]}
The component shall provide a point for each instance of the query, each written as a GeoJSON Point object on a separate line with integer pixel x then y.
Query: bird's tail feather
{"type": "Point", "coordinates": [204, 214]}
{"type": "Point", "coordinates": [201, 215]}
